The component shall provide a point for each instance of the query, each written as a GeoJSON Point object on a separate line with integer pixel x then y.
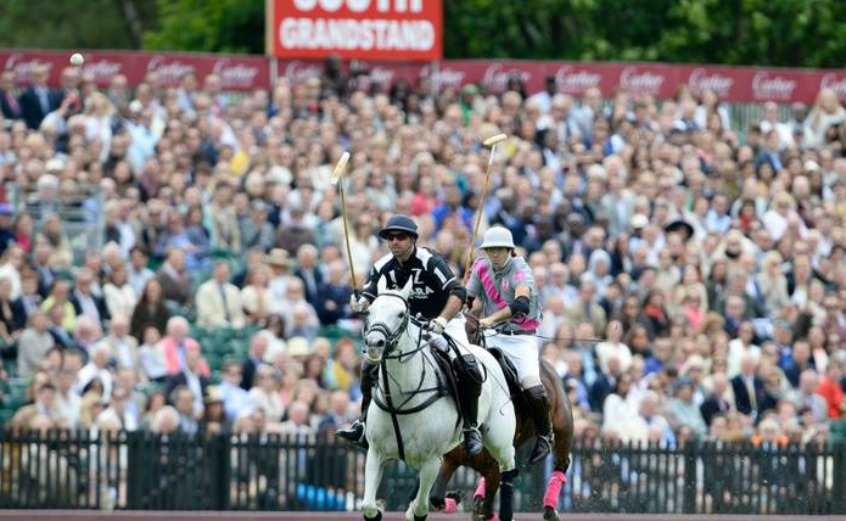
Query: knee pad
{"type": "Point", "coordinates": [469, 365]}
{"type": "Point", "coordinates": [536, 391]}
{"type": "Point", "coordinates": [531, 381]}
{"type": "Point", "coordinates": [469, 372]}
{"type": "Point", "coordinates": [468, 361]}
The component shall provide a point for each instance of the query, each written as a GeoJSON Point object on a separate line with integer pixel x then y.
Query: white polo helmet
{"type": "Point", "coordinates": [497, 237]}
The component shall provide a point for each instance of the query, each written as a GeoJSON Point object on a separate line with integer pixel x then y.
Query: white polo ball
{"type": "Point", "coordinates": [76, 59]}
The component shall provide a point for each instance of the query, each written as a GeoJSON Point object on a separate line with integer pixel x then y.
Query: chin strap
{"type": "Point", "coordinates": [504, 266]}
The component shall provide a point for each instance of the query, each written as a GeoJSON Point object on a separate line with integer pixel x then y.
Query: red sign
{"type": "Point", "coordinates": [376, 30]}
{"type": "Point", "coordinates": [237, 73]}
{"type": "Point", "coordinates": [835, 81]}
{"type": "Point", "coordinates": [721, 80]}
{"type": "Point", "coordinates": [575, 79]}
{"type": "Point", "coordinates": [246, 73]}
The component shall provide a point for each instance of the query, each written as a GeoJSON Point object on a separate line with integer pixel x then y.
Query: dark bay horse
{"type": "Point", "coordinates": [487, 466]}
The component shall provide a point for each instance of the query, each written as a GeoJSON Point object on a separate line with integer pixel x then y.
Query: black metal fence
{"type": "Point", "coordinates": [143, 471]}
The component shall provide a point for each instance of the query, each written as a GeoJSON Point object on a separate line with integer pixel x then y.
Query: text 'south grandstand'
{"type": "Point", "coordinates": [358, 29]}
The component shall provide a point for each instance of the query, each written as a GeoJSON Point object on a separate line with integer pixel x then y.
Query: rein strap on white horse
{"type": "Point", "coordinates": [388, 406]}
{"type": "Point", "coordinates": [390, 403]}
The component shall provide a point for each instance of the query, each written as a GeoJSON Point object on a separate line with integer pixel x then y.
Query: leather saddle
{"type": "Point", "coordinates": [450, 381]}
{"type": "Point", "coordinates": [510, 373]}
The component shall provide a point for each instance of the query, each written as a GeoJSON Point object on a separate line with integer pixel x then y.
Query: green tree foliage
{"type": "Point", "coordinates": [793, 33]}
{"type": "Point", "coordinates": [77, 24]}
{"type": "Point", "coordinates": [235, 26]}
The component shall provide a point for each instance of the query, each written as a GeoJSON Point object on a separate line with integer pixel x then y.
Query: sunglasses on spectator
{"type": "Point", "coordinates": [396, 237]}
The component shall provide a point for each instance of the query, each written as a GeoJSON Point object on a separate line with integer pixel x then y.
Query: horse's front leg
{"type": "Point", "coordinates": [373, 467]}
{"type": "Point", "coordinates": [418, 510]}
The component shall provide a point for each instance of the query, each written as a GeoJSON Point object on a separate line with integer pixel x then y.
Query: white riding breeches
{"type": "Point", "coordinates": [523, 352]}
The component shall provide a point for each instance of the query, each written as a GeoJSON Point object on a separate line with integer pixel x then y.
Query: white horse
{"type": "Point", "coordinates": [425, 424]}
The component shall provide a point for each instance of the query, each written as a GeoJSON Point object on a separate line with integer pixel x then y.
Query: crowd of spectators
{"type": "Point", "coordinates": [692, 272]}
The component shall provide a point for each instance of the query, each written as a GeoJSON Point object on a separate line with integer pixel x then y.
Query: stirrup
{"type": "Point", "coordinates": [543, 447]}
{"type": "Point", "coordinates": [472, 441]}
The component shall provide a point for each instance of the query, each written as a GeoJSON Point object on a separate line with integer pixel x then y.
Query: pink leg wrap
{"type": "Point", "coordinates": [480, 490]}
{"type": "Point", "coordinates": [553, 489]}
{"type": "Point", "coordinates": [450, 506]}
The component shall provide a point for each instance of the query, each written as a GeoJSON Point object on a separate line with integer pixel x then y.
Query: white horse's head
{"type": "Point", "coordinates": [388, 319]}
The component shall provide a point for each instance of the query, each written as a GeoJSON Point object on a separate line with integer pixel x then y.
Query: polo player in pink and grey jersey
{"type": "Point", "coordinates": [505, 293]}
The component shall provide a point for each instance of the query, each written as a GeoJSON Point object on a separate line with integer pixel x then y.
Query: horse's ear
{"type": "Point", "coordinates": [381, 285]}
{"type": "Point", "coordinates": [406, 290]}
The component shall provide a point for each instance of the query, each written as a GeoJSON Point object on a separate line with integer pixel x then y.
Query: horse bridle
{"type": "Point", "coordinates": [391, 338]}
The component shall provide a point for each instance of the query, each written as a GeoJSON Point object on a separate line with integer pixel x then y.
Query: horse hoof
{"type": "Point", "coordinates": [456, 496]}
{"type": "Point", "coordinates": [437, 503]}
{"type": "Point", "coordinates": [381, 505]}
{"type": "Point", "coordinates": [549, 514]}
{"type": "Point", "coordinates": [411, 516]}
{"type": "Point", "coordinates": [447, 505]}
{"type": "Point", "coordinates": [478, 503]}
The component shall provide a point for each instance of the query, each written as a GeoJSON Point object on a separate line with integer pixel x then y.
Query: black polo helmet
{"type": "Point", "coordinates": [399, 223]}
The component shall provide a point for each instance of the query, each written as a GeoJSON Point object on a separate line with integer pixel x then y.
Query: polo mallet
{"type": "Point", "coordinates": [490, 142]}
{"type": "Point", "coordinates": [338, 179]}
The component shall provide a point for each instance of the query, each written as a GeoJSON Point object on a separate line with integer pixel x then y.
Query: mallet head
{"type": "Point", "coordinates": [340, 168]}
{"type": "Point", "coordinates": [493, 140]}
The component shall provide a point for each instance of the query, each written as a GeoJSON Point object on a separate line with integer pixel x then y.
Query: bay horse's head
{"type": "Point", "coordinates": [387, 321]}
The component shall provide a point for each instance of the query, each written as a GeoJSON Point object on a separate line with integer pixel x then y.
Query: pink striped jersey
{"type": "Point", "coordinates": [496, 290]}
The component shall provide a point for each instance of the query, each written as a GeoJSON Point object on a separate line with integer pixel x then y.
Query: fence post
{"type": "Point", "coordinates": [135, 461]}
{"type": "Point", "coordinates": [218, 465]}
{"type": "Point", "coordinates": [689, 491]}
{"type": "Point", "coordinates": [838, 487]}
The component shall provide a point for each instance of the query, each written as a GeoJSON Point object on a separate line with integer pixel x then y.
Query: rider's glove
{"type": "Point", "coordinates": [438, 325]}
{"type": "Point", "coordinates": [359, 304]}
{"type": "Point", "coordinates": [485, 323]}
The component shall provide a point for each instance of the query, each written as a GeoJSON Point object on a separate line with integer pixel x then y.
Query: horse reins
{"type": "Point", "coordinates": [392, 341]}
{"type": "Point", "coordinates": [543, 337]}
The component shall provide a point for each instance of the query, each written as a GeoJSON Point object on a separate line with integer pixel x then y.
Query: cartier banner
{"type": "Point", "coordinates": [237, 73]}
{"type": "Point", "coordinates": [366, 29]}
{"type": "Point", "coordinates": [661, 81]}
{"type": "Point", "coordinates": [245, 73]}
